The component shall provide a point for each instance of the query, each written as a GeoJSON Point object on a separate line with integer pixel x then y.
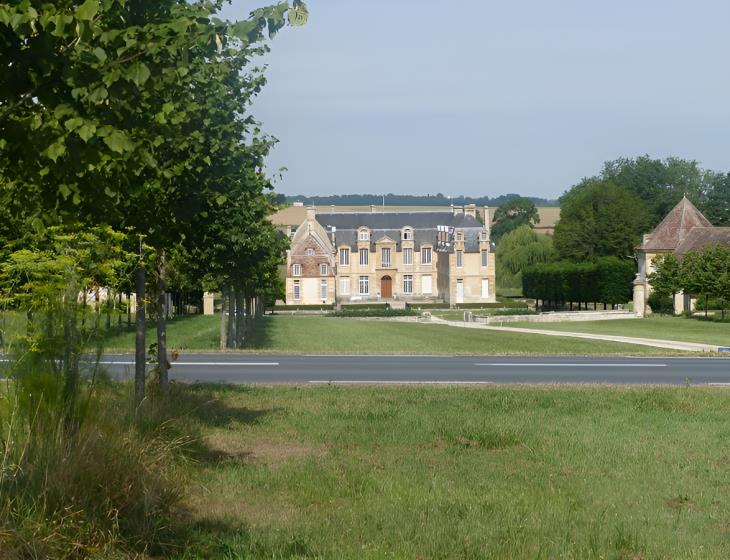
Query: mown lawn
{"type": "Point", "coordinates": [665, 327]}
{"type": "Point", "coordinates": [371, 473]}
{"type": "Point", "coordinates": [296, 334]}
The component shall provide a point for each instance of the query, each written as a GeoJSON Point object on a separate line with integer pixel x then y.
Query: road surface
{"type": "Point", "coordinates": [271, 369]}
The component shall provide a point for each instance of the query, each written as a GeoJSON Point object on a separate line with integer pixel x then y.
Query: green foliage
{"type": "Point", "coordinates": [599, 218]}
{"type": "Point", "coordinates": [512, 214]}
{"type": "Point", "coordinates": [374, 312]}
{"type": "Point", "coordinates": [661, 302]}
{"type": "Point", "coordinates": [607, 280]}
{"type": "Point", "coordinates": [518, 250]}
{"type": "Point", "coordinates": [717, 208]}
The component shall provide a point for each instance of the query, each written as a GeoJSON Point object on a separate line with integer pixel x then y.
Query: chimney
{"type": "Point", "coordinates": [372, 208]}
{"type": "Point", "coordinates": [487, 222]}
{"type": "Point", "coordinates": [332, 208]}
{"type": "Point", "coordinates": [311, 212]}
{"type": "Point", "coordinates": [455, 210]}
{"type": "Point", "coordinates": [298, 204]}
{"type": "Point", "coordinates": [471, 210]}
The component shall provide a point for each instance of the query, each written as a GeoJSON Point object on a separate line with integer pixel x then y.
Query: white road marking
{"type": "Point", "coordinates": [572, 365]}
{"type": "Point", "coordinates": [391, 382]}
{"type": "Point", "coordinates": [129, 363]}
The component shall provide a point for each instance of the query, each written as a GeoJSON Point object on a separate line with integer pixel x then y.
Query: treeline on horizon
{"type": "Point", "coordinates": [411, 200]}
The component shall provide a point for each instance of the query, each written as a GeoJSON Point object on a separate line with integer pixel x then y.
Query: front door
{"type": "Point", "coordinates": [459, 291]}
{"type": "Point", "coordinates": [386, 287]}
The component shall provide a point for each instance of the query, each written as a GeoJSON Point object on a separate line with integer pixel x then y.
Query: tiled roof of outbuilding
{"type": "Point", "coordinates": [673, 229]}
{"type": "Point", "coordinates": [701, 237]}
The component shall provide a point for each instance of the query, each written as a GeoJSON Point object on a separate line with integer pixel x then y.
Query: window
{"type": "Point", "coordinates": [310, 252]}
{"type": "Point", "coordinates": [459, 258]}
{"type": "Point", "coordinates": [408, 255]}
{"type": "Point", "coordinates": [459, 235]}
{"type": "Point", "coordinates": [385, 257]}
{"type": "Point", "coordinates": [408, 234]}
{"type": "Point", "coordinates": [485, 288]}
{"type": "Point", "coordinates": [297, 290]}
{"type": "Point", "coordinates": [426, 284]}
{"type": "Point", "coordinates": [364, 235]}
{"type": "Point", "coordinates": [364, 286]}
{"type": "Point", "coordinates": [425, 255]}
{"type": "Point", "coordinates": [323, 269]}
{"type": "Point", "coordinates": [344, 257]}
{"type": "Point", "coordinates": [345, 285]}
{"type": "Point", "coordinates": [408, 283]}
{"type": "Point", "coordinates": [363, 257]}
{"type": "Point", "coordinates": [296, 270]}
{"type": "Point", "coordinates": [323, 289]}
{"type": "Point", "coordinates": [485, 258]}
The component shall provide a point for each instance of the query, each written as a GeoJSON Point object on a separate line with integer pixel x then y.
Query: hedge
{"type": "Point", "coordinates": [364, 311]}
{"type": "Point", "coordinates": [303, 307]}
{"type": "Point", "coordinates": [491, 305]}
{"type": "Point", "coordinates": [607, 280]}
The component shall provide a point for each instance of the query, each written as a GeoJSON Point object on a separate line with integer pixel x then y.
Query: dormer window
{"type": "Point", "coordinates": [296, 270]}
{"type": "Point", "coordinates": [460, 236]}
{"type": "Point", "coordinates": [483, 236]}
{"type": "Point", "coordinates": [407, 234]}
{"type": "Point", "coordinates": [323, 269]}
{"type": "Point", "coordinates": [310, 252]}
{"type": "Point", "coordinates": [364, 235]}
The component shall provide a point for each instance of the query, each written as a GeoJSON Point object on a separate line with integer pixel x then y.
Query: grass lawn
{"type": "Point", "coordinates": [293, 334]}
{"type": "Point", "coordinates": [371, 473]}
{"type": "Point", "coordinates": [665, 327]}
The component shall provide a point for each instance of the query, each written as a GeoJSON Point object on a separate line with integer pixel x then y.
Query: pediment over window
{"type": "Point", "coordinates": [384, 239]}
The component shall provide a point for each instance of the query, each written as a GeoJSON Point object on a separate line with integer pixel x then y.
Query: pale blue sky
{"type": "Point", "coordinates": [478, 98]}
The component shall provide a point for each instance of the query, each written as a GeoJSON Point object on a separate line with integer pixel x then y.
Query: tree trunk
{"type": "Point", "coordinates": [139, 343]}
{"type": "Point", "coordinates": [129, 309]}
{"type": "Point", "coordinates": [231, 332]}
{"type": "Point", "coordinates": [162, 363]}
{"type": "Point", "coordinates": [119, 307]}
{"type": "Point", "coordinates": [223, 341]}
{"type": "Point", "coordinates": [109, 307]}
{"type": "Point", "coordinates": [706, 298]}
{"type": "Point", "coordinates": [240, 317]}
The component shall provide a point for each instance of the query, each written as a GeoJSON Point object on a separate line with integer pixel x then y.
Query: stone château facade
{"type": "Point", "coordinates": [358, 257]}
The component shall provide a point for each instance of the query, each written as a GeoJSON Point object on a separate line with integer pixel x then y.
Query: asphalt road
{"type": "Point", "coordinates": [268, 369]}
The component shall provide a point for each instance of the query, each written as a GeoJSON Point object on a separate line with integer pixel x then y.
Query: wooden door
{"type": "Point", "coordinates": [386, 287]}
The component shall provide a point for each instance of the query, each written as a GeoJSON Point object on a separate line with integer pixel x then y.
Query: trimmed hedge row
{"type": "Point", "coordinates": [373, 312]}
{"type": "Point", "coordinates": [607, 280]}
{"type": "Point", "coordinates": [494, 305]}
{"type": "Point", "coordinates": [303, 307]}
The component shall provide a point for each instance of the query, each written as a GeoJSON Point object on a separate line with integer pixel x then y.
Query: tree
{"type": "Point", "coordinates": [516, 212]}
{"type": "Point", "coordinates": [717, 208]}
{"type": "Point", "coordinates": [112, 112]}
{"type": "Point", "coordinates": [518, 250]}
{"type": "Point", "coordinates": [599, 218]}
{"type": "Point", "coordinates": [667, 278]}
{"type": "Point", "coordinates": [660, 183]}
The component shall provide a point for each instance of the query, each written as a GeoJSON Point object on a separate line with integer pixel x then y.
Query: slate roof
{"type": "Point", "coordinates": [390, 224]}
{"type": "Point", "coordinates": [673, 229]}
{"type": "Point", "coordinates": [701, 237]}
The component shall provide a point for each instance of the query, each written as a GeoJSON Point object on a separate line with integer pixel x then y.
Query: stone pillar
{"type": "Point", "coordinates": [208, 303]}
{"type": "Point", "coordinates": [679, 303]}
{"type": "Point", "coordinates": [639, 297]}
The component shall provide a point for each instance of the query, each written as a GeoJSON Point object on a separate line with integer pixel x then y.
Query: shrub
{"type": "Point", "coordinates": [661, 303]}
{"type": "Point", "coordinates": [374, 312]}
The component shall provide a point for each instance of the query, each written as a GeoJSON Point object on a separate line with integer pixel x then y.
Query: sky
{"type": "Point", "coordinates": [482, 98]}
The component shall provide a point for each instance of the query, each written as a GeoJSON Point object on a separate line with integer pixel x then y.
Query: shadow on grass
{"type": "Point", "coordinates": [259, 335]}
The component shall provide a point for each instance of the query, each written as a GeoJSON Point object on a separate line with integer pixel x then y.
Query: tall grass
{"type": "Point", "coordinates": [97, 488]}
